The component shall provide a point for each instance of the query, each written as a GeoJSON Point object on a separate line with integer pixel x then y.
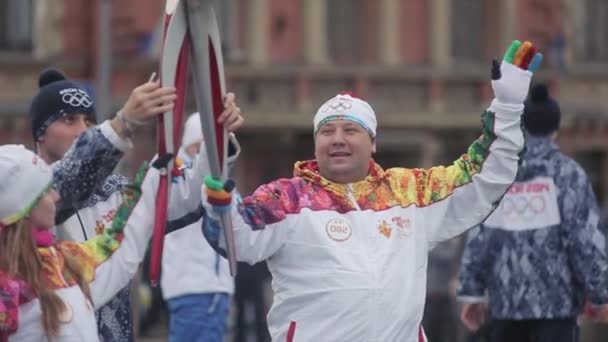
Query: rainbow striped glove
{"type": "Point", "coordinates": [219, 194]}
{"type": "Point", "coordinates": [511, 78]}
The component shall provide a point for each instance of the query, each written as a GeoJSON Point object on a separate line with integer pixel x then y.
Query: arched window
{"type": "Point", "coordinates": [16, 18]}
{"type": "Point", "coordinates": [476, 31]}
{"type": "Point", "coordinates": [286, 30]}
{"type": "Point", "coordinates": [591, 31]}
{"type": "Point", "coordinates": [352, 27]}
{"type": "Point", "coordinates": [467, 27]}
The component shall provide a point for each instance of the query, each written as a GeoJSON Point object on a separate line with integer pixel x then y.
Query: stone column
{"type": "Point", "coordinates": [258, 32]}
{"type": "Point", "coordinates": [315, 31]}
{"type": "Point", "coordinates": [440, 25]}
{"type": "Point", "coordinates": [389, 32]}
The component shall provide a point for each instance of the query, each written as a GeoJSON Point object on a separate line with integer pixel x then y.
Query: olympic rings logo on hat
{"type": "Point", "coordinates": [339, 105]}
{"type": "Point", "coordinates": [77, 99]}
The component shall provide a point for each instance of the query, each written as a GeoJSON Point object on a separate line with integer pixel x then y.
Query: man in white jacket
{"type": "Point", "coordinates": [346, 241]}
{"type": "Point", "coordinates": [195, 281]}
{"type": "Point", "coordinates": [83, 157]}
{"type": "Point", "coordinates": [83, 275]}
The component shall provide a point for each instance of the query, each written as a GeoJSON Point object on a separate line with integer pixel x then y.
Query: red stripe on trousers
{"type": "Point", "coordinates": [421, 335]}
{"type": "Point", "coordinates": [291, 332]}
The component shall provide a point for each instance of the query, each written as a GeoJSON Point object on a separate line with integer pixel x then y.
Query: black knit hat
{"type": "Point", "coordinates": [541, 112]}
{"type": "Point", "coordinates": [57, 97]}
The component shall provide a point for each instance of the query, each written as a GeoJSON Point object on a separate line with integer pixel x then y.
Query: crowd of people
{"type": "Point", "coordinates": [347, 243]}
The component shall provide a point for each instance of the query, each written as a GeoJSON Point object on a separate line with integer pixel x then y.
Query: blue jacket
{"type": "Point", "coordinates": [540, 254]}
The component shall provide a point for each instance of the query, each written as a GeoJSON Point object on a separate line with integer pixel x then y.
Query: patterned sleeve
{"type": "Point", "coordinates": [13, 293]}
{"type": "Point", "coordinates": [9, 309]}
{"type": "Point", "coordinates": [88, 162]}
{"type": "Point", "coordinates": [110, 260]}
{"type": "Point", "coordinates": [101, 248]}
{"type": "Point", "coordinates": [460, 196]}
{"type": "Point", "coordinates": [586, 244]}
{"type": "Point", "coordinates": [119, 253]}
{"type": "Point", "coordinates": [261, 223]}
{"type": "Point", "coordinates": [474, 267]}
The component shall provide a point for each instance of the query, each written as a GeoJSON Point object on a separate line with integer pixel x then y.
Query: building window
{"type": "Point", "coordinates": [16, 19]}
{"type": "Point", "coordinates": [352, 28]}
{"type": "Point", "coordinates": [467, 28]}
{"type": "Point", "coordinates": [342, 27]}
{"type": "Point", "coordinates": [591, 31]}
{"type": "Point", "coordinates": [285, 31]}
{"type": "Point", "coordinates": [236, 23]}
{"type": "Point", "coordinates": [228, 15]}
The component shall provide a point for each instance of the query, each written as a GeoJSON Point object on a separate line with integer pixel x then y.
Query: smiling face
{"type": "Point", "coordinates": [343, 150]}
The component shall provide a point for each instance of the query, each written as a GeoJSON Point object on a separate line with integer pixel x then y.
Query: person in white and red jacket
{"type": "Point", "coordinates": [346, 241]}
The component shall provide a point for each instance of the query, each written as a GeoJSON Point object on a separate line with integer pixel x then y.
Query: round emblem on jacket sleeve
{"type": "Point", "coordinates": [338, 229]}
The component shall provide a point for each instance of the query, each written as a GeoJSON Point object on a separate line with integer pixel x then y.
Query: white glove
{"type": "Point", "coordinates": [511, 82]}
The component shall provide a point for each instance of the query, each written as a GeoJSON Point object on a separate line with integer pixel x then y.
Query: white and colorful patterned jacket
{"type": "Point", "coordinates": [541, 252]}
{"type": "Point", "coordinates": [348, 261]}
{"type": "Point", "coordinates": [108, 262]}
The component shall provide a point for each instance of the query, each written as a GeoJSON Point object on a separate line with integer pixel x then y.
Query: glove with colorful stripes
{"type": "Point", "coordinates": [219, 194]}
{"type": "Point", "coordinates": [511, 78]}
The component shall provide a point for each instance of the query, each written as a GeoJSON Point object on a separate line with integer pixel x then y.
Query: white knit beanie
{"type": "Point", "coordinates": [346, 107]}
{"type": "Point", "coordinates": [193, 130]}
{"type": "Point", "coordinates": [24, 178]}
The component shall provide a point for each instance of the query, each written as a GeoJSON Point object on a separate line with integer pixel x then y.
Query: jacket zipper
{"type": "Point", "coordinates": [352, 198]}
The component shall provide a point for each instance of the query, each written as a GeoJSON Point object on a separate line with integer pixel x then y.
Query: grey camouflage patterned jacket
{"type": "Point", "coordinates": [540, 255]}
{"type": "Point", "coordinates": [90, 193]}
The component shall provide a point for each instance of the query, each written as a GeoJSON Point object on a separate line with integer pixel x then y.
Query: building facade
{"type": "Point", "coordinates": [423, 64]}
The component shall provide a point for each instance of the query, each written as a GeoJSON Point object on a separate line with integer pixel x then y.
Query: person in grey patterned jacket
{"type": "Point", "coordinates": [83, 157]}
{"type": "Point", "coordinates": [540, 255]}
